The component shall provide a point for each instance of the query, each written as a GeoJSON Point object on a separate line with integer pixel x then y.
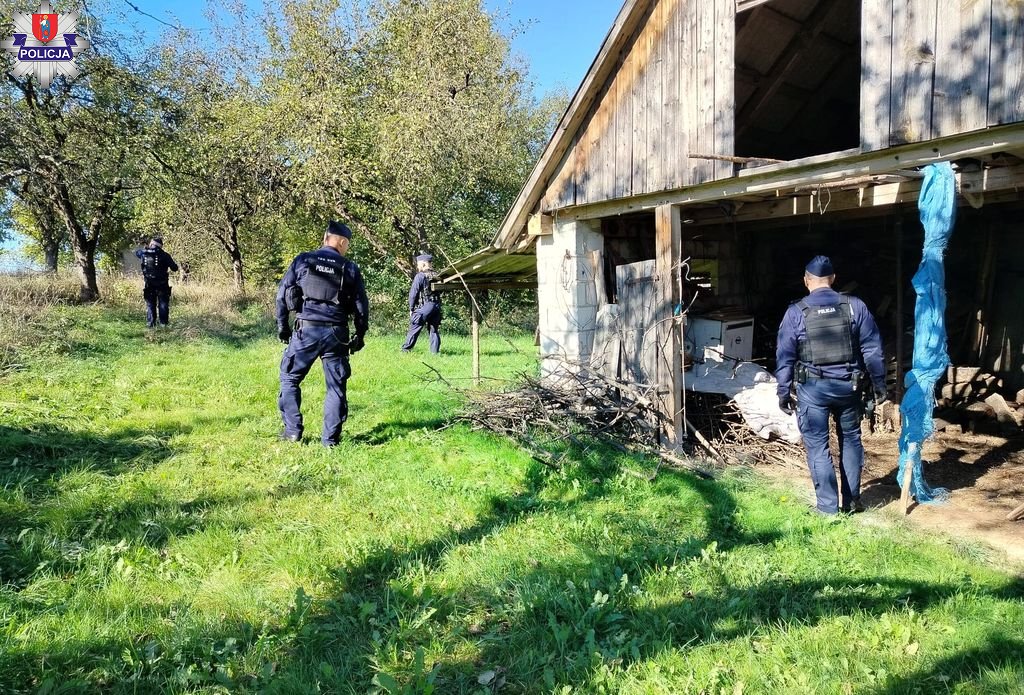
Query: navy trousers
{"type": "Point", "coordinates": [329, 343]}
{"type": "Point", "coordinates": [428, 315]}
{"type": "Point", "coordinates": [158, 304]}
{"type": "Point", "coordinates": [816, 400]}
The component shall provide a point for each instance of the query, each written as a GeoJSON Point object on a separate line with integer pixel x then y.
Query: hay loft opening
{"type": "Point", "coordinates": [798, 78]}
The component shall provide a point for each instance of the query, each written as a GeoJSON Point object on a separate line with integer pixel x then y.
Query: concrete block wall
{"type": "Point", "coordinates": [567, 293]}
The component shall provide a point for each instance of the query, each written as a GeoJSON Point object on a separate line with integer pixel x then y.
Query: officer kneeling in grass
{"type": "Point", "coordinates": [324, 289]}
{"type": "Point", "coordinates": [827, 341]}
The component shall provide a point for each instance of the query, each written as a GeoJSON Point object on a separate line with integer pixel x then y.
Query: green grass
{"type": "Point", "coordinates": [155, 537]}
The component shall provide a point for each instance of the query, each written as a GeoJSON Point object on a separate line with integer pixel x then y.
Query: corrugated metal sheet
{"type": "Point", "coordinates": [491, 265]}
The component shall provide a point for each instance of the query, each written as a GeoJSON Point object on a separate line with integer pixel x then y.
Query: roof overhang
{"type": "Point", "coordinates": [490, 268]}
{"type": "Point", "coordinates": [788, 179]}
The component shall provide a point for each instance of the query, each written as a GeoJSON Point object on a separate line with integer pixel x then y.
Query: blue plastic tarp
{"type": "Point", "coordinates": [937, 205]}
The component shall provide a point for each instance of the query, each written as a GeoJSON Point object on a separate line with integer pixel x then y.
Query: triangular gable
{"type": "Point", "coordinates": [661, 88]}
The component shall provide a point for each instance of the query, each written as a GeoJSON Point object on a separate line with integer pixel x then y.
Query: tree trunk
{"type": "Point", "coordinates": [85, 265]}
{"type": "Point", "coordinates": [236, 267]}
{"type": "Point", "coordinates": [230, 244]}
{"type": "Point", "coordinates": [51, 251]}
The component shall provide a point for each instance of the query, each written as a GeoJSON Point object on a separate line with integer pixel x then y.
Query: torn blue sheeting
{"type": "Point", "coordinates": [937, 204]}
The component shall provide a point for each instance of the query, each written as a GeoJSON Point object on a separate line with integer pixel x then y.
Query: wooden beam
{"type": "Point", "coordinates": [863, 196]}
{"type": "Point", "coordinates": [745, 5]}
{"type": "Point", "coordinates": [483, 285]}
{"type": "Point", "coordinates": [541, 225]}
{"type": "Point", "coordinates": [668, 231]}
{"type": "Point", "coordinates": [812, 171]}
{"type": "Point", "coordinates": [810, 29]}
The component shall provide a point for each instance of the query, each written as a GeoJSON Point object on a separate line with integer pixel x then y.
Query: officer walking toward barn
{"type": "Point", "coordinates": [157, 289]}
{"type": "Point", "coordinates": [324, 289]}
{"type": "Point", "coordinates": [424, 306]}
{"type": "Point", "coordinates": [829, 344]}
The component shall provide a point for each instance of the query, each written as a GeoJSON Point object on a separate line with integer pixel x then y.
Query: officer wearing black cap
{"type": "Point", "coordinates": [157, 289]}
{"type": "Point", "coordinates": [424, 306]}
{"type": "Point", "coordinates": [828, 343]}
{"type": "Point", "coordinates": [325, 290]}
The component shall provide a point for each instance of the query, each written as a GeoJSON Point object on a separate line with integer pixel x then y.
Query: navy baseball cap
{"type": "Point", "coordinates": [425, 257]}
{"type": "Point", "coordinates": [339, 229]}
{"type": "Point", "coordinates": [821, 267]}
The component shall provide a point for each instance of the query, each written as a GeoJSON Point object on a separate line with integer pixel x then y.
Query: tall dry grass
{"type": "Point", "coordinates": [38, 310]}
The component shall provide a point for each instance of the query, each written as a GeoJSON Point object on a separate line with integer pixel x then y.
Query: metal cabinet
{"type": "Point", "coordinates": [728, 332]}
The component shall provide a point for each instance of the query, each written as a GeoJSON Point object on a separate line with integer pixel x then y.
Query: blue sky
{"type": "Point", "coordinates": [558, 38]}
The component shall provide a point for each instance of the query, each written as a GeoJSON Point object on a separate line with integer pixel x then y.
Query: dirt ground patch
{"type": "Point", "coordinates": [983, 473]}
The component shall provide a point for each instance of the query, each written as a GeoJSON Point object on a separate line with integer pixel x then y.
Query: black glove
{"type": "Point", "coordinates": [356, 344]}
{"type": "Point", "coordinates": [284, 331]}
{"type": "Point", "coordinates": [881, 396]}
{"type": "Point", "coordinates": [786, 404]}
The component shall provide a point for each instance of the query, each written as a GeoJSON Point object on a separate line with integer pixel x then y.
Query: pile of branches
{"type": "Point", "coordinates": [580, 409]}
{"type": "Point", "coordinates": [720, 421]}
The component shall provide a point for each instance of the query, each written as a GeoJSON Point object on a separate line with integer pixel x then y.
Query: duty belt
{"type": "Point", "coordinates": [856, 377]}
{"type": "Point", "coordinates": [309, 322]}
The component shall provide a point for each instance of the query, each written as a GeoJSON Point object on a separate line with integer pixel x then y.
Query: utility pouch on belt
{"type": "Point", "coordinates": [293, 298]}
{"type": "Point", "coordinates": [801, 373]}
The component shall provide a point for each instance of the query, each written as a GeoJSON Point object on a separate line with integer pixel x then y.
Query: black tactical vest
{"type": "Point", "coordinates": [323, 280]}
{"type": "Point", "coordinates": [829, 336]}
{"type": "Point", "coordinates": [427, 294]}
{"type": "Point", "coordinates": [151, 264]}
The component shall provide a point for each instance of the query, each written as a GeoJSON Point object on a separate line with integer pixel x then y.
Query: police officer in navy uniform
{"type": "Point", "coordinates": [157, 291]}
{"type": "Point", "coordinates": [829, 345]}
{"type": "Point", "coordinates": [325, 289]}
{"type": "Point", "coordinates": [424, 306]}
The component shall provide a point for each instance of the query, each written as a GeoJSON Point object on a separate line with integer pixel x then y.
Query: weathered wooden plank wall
{"type": "Point", "coordinates": [1006, 93]}
{"type": "Point", "coordinates": [672, 95]}
{"type": "Point", "coordinates": [875, 75]}
{"type": "Point", "coordinates": [932, 68]}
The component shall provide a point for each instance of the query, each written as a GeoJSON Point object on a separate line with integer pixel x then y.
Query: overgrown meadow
{"type": "Point", "coordinates": [156, 537]}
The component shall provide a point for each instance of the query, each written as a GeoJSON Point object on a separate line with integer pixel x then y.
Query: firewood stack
{"type": "Point", "coordinates": [975, 394]}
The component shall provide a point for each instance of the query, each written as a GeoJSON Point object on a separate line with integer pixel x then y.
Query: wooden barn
{"type": "Point", "coordinates": [715, 146]}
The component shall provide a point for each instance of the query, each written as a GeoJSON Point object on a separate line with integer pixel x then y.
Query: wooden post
{"type": "Point", "coordinates": [908, 477]}
{"type": "Point", "coordinates": [985, 292]}
{"type": "Point", "coordinates": [476, 342]}
{"type": "Point", "coordinates": [899, 309]}
{"type": "Point", "coordinates": [670, 367]}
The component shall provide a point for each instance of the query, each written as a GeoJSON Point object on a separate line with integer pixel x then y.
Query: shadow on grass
{"type": "Point", "coordinates": [29, 456]}
{"type": "Point", "coordinates": [385, 432]}
{"type": "Point", "coordinates": [550, 622]}
{"type": "Point", "coordinates": [568, 632]}
{"type": "Point", "coordinates": [1000, 653]}
{"type": "Point", "coordinates": [47, 524]}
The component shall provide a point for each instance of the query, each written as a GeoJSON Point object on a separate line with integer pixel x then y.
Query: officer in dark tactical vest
{"type": "Point", "coordinates": [157, 291]}
{"type": "Point", "coordinates": [829, 346]}
{"type": "Point", "coordinates": [325, 290]}
{"type": "Point", "coordinates": [424, 306]}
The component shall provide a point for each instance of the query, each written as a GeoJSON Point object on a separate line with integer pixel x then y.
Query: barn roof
{"type": "Point", "coordinates": [772, 96]}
